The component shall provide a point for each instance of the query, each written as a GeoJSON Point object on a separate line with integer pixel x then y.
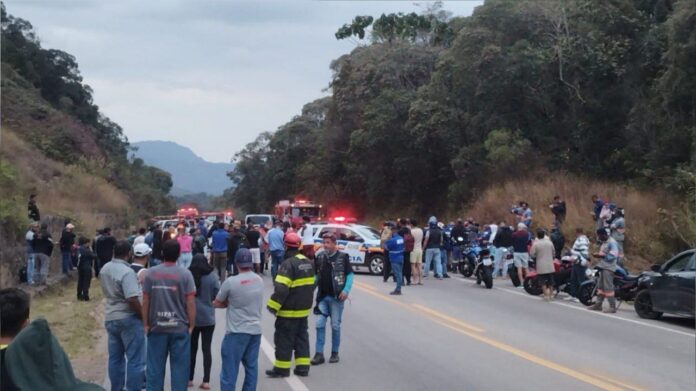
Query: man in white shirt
{"type": "Point", "coordinates": [417, 253]}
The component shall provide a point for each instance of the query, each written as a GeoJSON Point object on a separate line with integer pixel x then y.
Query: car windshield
{"type": "Point", "coordinates": [368, 233]}
{"type": "Point", "coordinates": [260, 220]}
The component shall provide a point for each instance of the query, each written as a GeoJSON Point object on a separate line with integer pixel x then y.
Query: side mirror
{"type": "Point", "coordinates": [655, 268]}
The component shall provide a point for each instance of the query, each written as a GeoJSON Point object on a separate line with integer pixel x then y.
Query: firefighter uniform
{"type": "Point", "coordinates": [291, 302]}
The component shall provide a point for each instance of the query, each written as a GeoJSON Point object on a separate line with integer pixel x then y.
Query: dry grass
{"type": "Point", "coordinates": [643, 246]}
{"type": "Point", "coordinates": [63, 190]}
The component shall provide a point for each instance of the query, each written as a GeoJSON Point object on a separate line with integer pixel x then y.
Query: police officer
{"type": "Point", "coordinates": [291, 303]}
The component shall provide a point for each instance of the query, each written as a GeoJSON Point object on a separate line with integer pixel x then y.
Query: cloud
{"type": "Point", "coordinates": [211, 75]}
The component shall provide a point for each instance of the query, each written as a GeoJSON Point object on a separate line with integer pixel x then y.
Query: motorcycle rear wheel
{"type": "Point", "coordinates": [488, 277]}
{"type": "Point", "coordinates": [512, 272]}
{"type": "Point", "coordinates": [531, 286]}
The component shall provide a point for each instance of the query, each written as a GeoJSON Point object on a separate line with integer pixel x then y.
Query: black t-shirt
{"type": "Point", "coordinates": [105, 248]}
{"type": "Point", "coordinates": [5, 381]}
{"type": "Point", "coordinates": [253, 238]}
{"type": "Point", "coordinates": [67, 239]}
{"type": "Point", "coordinates": [137, 268]}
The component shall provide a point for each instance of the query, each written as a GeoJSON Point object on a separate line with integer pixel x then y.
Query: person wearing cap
{"type": "Point", "coordinates": [141, 253]}
{"type": "Point", "coordinates": [85, 263]}
{"type": "Point", "coordinates": [242, 296]}
{"type": "Point", "coordinates": [67, 239]}
{"type": "Point", "coordinates": [520, 251]}
{"type": "Point", "coordinates": [609, 255]}
{"type": "Point", "coordinates": [123, 320]}
{"type": "Point", "coordinates": [291, 303]}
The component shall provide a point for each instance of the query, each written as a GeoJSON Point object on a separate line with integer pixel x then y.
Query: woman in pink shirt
{"type": "Point", "coordinates": [185, 243]}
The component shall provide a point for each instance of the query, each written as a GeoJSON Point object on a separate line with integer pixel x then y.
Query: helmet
{"type": "Point", "coordinates": [292, 240]}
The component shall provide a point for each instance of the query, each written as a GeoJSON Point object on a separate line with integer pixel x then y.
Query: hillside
{"type": "Point", "coordinates": [190, 173]}
{"type": "Point", "coordinates": [57, 144]}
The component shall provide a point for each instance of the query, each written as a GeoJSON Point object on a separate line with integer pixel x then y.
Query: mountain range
{"type": "Point", "coordinates": [190, 173]}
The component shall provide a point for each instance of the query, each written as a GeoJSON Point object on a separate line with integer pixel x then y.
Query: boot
{"type": "Point", "coordinates": [300, 373]}
{"type": "Point", "coordinates": [598, 305]}
{"type": "Point", "coordinates": [334, 358]}
{"type": "Point", "coordinates": [273, 374]}
{"type": "Point", "coordinates": [318, 359]}
{"type": "Point", "coordinates": [612, 306]}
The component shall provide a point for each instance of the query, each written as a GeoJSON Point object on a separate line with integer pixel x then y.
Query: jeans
{"type": "Point", "coordinates": [30, 267]}
{"type": "Point", "coordinates": [178, 347]}
{"type": "Point", "coordinates": [500, 261]}
{"type": "Point", "coordinates": [276, 260]}
{"type": "Point", "coordinates": [577, 277]}
{"type": "Point", "coordinates": [184, 260]}
{"type": "Point", "coordinates": [443, 260]}
{"type": "Point", "coordinates": [457, 253]}
{"type": "Point", "coordinates": [206, 334]}
{"type": "Point", "coordinates": [67, 261]}
{"type": "Point", "coordinates": [397, 269]}
{"type": "Point", "coordinates": [126, 353]}
{"type": "Point", "coordinates": [41, 262]}
{"type": "Point", "coordinates": [432, 255]}
{"type": "Point", "coordinates": [329, 306]}
{"type": "Point", "coordinates": [236, 348]}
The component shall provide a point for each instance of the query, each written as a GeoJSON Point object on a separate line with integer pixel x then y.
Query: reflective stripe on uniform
{"type": "Point", "coordinates": [302, 282]}
{"type": "Point", "coordinates": [300, 256]}
{"type": "Point", "coordinates": [293, 313]}
{"type": "Point", "coordinates": [283, 280]}
{"type": "Point", "coordinates": [282, 364]}
{"type": "Point", "coordinates": [273, 304]}
{"type": "Point", "coordinates": [301, 360]}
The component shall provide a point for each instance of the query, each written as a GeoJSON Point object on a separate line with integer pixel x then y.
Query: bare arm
{"type": "Point", "coordinates": [145, 308]}
{"type": "Point", "coordinates": [219, 304]}
{"type": "Point", "coordinates": [134, 305]}
{"type": "Point", "coordinates": [191, 310]}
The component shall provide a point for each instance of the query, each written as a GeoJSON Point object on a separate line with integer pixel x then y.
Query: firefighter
{"type": "Point", "coordinates": [291, 303]}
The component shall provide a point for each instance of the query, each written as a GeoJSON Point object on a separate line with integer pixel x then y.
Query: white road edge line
{"type": "Point", "coordinates": [590, 312]}
{"type": "Point", "coordinates": [293, 381]}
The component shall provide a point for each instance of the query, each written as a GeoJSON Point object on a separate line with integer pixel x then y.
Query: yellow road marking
{"type": "Point", "coordinates": [363, 285]}
{"type": "Point", "coordinates": [603, 384]}
{"type": "Point", "coordinates": [622, 384]}
{"type": "Point", "coordinates": [447, 318]}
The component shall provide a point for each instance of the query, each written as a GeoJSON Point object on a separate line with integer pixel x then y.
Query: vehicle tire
{"type": "Point", "coordinates": [512, 273]}
{"type": "Point", "coordinates": [531, 286]}
{"type": "Point", "coordinates": [376, 264]}
{"type": "Point", "coordinates": [586, 294]}
{"type": "Point", "coordinates": [643, 306]}
{"type": "Point", "coordinates": [468, 270]}
{"type": "Point", "coordinates": [488, 277]}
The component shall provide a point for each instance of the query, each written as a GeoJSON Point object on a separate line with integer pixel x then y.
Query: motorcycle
{"type": "Point", "coordinates": [625, 286]}
{"type": "Point", "coordinates": [561, 277]}
{"type": "Point", "coordinates": [470, 254]}
{"type": "Point", "coordinates": [483, 270]}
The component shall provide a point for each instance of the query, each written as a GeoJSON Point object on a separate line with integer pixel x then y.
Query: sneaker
{"type": "Point", "coordinates": [447, 276]}
{"type": "Point", "coordinates": [395, 293]}
{"type": "Point", "coordinates": [610, 310]}
{"type": "Point", "coordinates": [334, 358]}
{"type": "Point", "coordinates": [318, 359]}
{"type": "Point", "coordinates": [273, 374]}
{"type": "Point", "coordinates": [596, 306]}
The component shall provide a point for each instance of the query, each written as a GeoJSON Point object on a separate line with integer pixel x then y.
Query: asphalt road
{"type": "Point", "coordinates": [455, 335]}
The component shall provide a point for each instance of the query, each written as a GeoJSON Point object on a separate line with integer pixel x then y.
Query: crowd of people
{"type": "Point", "coordinates": [443, 247]}
{"type": "Point", "coordinates": [162, 284]}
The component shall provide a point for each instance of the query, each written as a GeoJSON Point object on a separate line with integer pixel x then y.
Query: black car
{"type": "Point", "coordinates": [669, 288]}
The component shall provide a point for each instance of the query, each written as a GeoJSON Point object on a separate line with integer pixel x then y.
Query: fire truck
{"type": "Point", "coordinates": [293, 211]}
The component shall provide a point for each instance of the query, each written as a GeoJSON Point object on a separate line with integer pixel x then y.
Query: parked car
{"type": "Point", "coordinates": [360, 242]}
{"type": "Point", "coordinates": [668, 288]}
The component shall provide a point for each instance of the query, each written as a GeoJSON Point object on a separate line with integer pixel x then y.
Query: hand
{"type": "Point", "coordinates": [190, 329]}
{"type": "Point", "coordinates": [342, 297]}
{"type": "Point", "coordinates": [147, 329]}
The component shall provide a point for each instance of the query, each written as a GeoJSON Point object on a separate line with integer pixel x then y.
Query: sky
{"type": "Point", "coordinates": [208, 74]}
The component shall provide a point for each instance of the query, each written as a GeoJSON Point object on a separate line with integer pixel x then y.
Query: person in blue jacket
{"type": "Point", "coordinates": [219, 247]}
{"type": "Point", "coordinates": [396, 246]}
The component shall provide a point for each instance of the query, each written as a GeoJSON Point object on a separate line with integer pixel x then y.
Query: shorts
{"type": "Point", "coordinates": [416, 256]}
{"type": "Point", "coordinates": [545, 279]}
{"type": "Point", "coordinates": [521, 260]}
{"type": "Point", "coordinates": [255, 255]}
{"type": "Point", "coordinates": [605, 282]}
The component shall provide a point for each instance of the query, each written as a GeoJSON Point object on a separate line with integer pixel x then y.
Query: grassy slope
{"type": "Point", "coordinates": [647, 239]}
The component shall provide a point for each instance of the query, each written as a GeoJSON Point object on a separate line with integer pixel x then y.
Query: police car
{"type": "Point", "coordinates": [360, 242]}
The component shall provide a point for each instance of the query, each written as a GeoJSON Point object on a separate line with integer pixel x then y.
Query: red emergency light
{"type": "Point", "coordinates": [339, 218]}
